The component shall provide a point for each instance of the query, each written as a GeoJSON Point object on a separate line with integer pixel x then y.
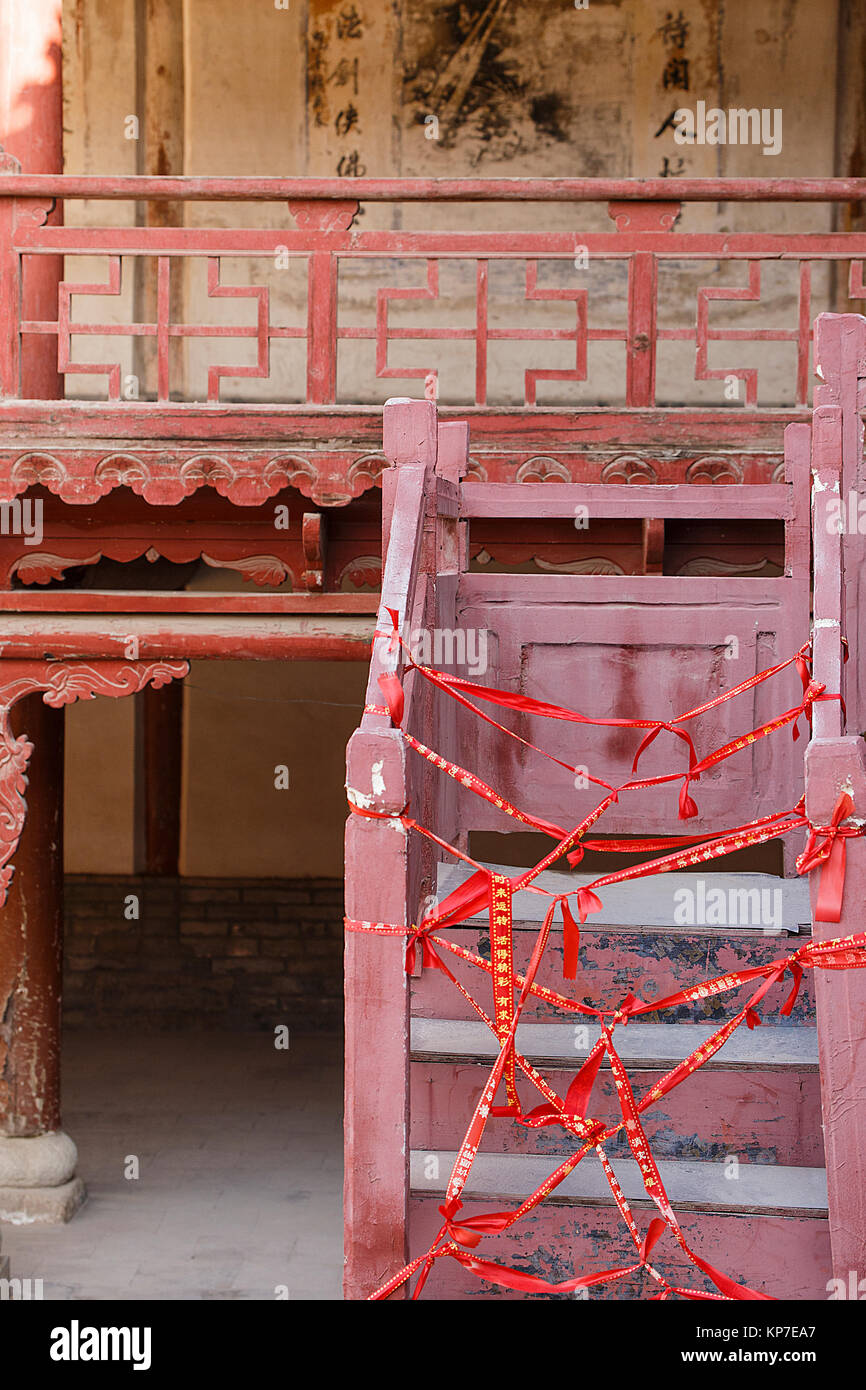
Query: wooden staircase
{"type": "Point", "coordinates": [740, 1140]}
{"type": "Point", "coordinates": [741, 1143]}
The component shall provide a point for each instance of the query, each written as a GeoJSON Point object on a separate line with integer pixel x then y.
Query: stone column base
{"type": "Point", "coordinates": [37, 1180]}
{"type": "Point", "coordinates": [48, 1206]}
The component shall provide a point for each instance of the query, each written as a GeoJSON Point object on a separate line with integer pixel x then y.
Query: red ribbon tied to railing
{"type": "Point", "coordinates": [826, 846]}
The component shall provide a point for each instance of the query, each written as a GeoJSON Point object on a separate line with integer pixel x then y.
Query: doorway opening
{"type": "Point", "coordinates": [202, 1023]}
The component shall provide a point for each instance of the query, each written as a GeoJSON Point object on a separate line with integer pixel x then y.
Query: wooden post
{"type": "Point", "coordinates": [31, 131]}
{"type": "Point", "coordinates": [835, 763]}
{"type": "Point", "coordinates": [840, 997]}
{"type": "Point", "coordinates": [158, 759]}
{"type": "Point", "coordinates": [31, 932]}
{"type": "Point", "coordinates": [382, 885]}
{"type": "Point", "coordinates": [376, 1124]}
{"type": "Point", "coordinates": [37, 1159]}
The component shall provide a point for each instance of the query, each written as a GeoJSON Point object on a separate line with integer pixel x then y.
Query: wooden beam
{"type": "Point", "coordinates": [149, 637]}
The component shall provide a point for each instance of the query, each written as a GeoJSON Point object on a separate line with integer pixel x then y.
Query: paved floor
{"type": "Point", "coordinates": [239, 1150]}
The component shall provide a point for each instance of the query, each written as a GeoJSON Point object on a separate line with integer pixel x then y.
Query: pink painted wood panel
{"type": "Point", "coordinates": [786, 1257]}
{"type": "Point", "coordinates": [648, 647]}
{"type": "Point", "coordinates": [761, 1117]}
{"type": "Point", "coordinates": [612, 964]}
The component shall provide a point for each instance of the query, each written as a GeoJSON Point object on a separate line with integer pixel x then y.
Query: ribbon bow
{"type": "Point", "coordinates": [826, 845]}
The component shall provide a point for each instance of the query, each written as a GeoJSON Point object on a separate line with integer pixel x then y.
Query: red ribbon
{"type": "Point", "coordinates": [826, 846]}
{"type": "Point", "coordinates": [570, 940]}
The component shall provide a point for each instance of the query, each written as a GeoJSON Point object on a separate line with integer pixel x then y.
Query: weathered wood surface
{"type": "Point", "coordinates": [835, 763]}
{"type": "Point", "coordinates": [769, 1116]}
{"type": "Point", "coordinates": [242, 189]}
{"type": "Point", "coordinates": [601, 500]}
{"type": "Point", "coordinates": [232, 636]}
{"type": "Point", "coordinates": [651, 963]}
{"type": "Point", "coordinates": [786, 1257]}
{"type": "Point", "coordinates": [383, 885]}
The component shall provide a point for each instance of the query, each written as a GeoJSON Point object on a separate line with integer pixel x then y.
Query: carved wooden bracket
{"type": "Point", "coordinates": [313, 536]}
{"type": "Point", "coordinates": [323, 215]}
{"type": "Point", "coordinates": [644, 217]}
{"type": "Point", "coordinates": [63, 682]}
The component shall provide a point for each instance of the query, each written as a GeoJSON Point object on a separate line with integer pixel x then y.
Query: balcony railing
{"type": "Point", "coordinates": [641, 314]}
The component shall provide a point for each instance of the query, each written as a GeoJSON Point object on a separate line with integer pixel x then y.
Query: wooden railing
{"type": "Point", "coordinates": [559, 268]}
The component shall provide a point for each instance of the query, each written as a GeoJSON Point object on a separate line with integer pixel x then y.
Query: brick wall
{"type": "Point", "coordinates": [204, 953]}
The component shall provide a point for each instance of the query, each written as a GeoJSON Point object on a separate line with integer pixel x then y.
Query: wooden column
{"type": "Point", "coordinates": [40, 1170]}
{"type": "Point", "coordinates": [31, 921]}
{"type": "Point", "coordinates": [31, 129]}
{"type": "Point", "coordinates": [158, 756]}
{"type": "Point", "coordinates": [31, 936]}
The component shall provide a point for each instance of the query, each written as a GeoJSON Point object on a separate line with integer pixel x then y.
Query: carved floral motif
{"type": "Point", "coordinates": [595, 564]}
{"type": "Point", "coordinates": [165, 477]}
{"type": "Point", "coordinates": [714, 470]}
{"type": "Point", "coordinates": [364, 572]}
{"type": "Point", "coordinates": [629, 468]}
{"type": "Point", "coordinates": [543, 469]}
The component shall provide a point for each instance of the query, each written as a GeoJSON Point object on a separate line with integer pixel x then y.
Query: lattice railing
{"type": "Point", "coordinates": [519, 318]}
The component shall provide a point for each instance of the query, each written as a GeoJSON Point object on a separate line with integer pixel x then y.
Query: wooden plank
{"type": "Point", "coordinates": [641, 591]}
{"type": "Point", "coordinates": [682, 427]}
{"type": "Point", "coordinates": [652, 963]}
{"type": "Point", "coordinates": [691, 1186]}
{"type": "Point", "coordinates": [144, 636]}
{"type": "Point", "coordinates": [383, 873]}
{"type": "Point", "coordinates": [651, 902]}
{"type": "Point", "coordinates": [641, 1045]}
{"type": "Point", "coordinates": [138, 601]}
{"type": "Point", "coordinates": [785, 1257]}
{"type": "Point", "coordinates": [549, 500]}
{"type": "Point", "coordinates": [769, 1116]}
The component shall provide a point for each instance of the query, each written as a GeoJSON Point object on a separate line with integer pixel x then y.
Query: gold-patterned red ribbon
{"type": "Point", "coordinates": [502, 960]}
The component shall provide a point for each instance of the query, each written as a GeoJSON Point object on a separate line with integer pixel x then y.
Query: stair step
{"type": "Point", "coordinates": [762, 1116]}
{"type": "Point", "coordinates": [653, 964]}
{"type": "Point", "coordinates": [642, 1045]}
{"type": "Point", "coordinates": [652, 902]}
{"type": "Point", "coordinates": [759, 1188]}
{"type": "Point", "coordinates": [786, 1257]}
